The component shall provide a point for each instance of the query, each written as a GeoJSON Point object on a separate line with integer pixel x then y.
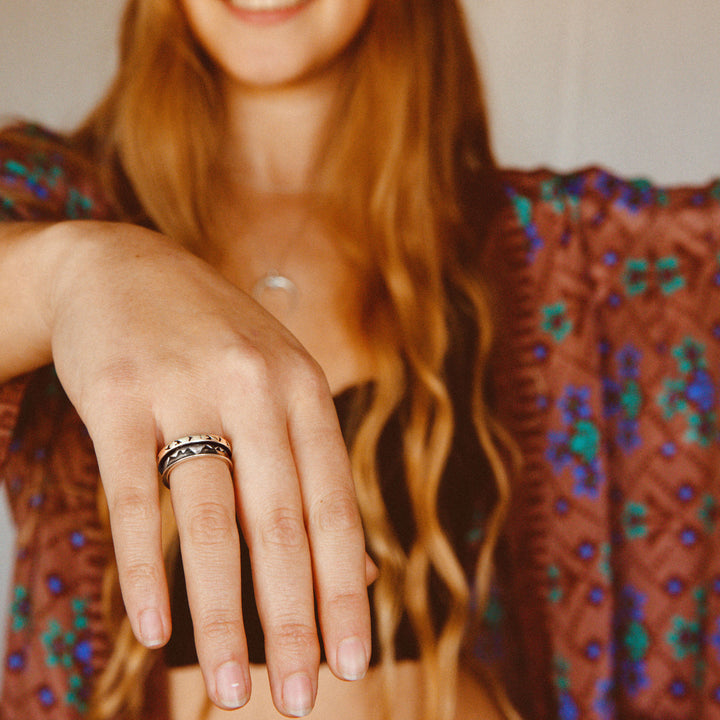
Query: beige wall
{"type": "Point", "coordinates": [632, 84]}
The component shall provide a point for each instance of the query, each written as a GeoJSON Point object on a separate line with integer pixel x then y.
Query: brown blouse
{"type": "Point", "coordinates": [608, 376]}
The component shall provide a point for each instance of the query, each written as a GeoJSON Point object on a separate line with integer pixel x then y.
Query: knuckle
{"type": "Point", "coordinates": [115, 384]}
{"type": "Point", "coordinates": [210, 524]}
{"type": "Point", "coordinates": [248, 367]}
{"type": "Point", "coordinates": [296, 638]}
{"type": "Point", "coordinates": [142, 575]}
{"type": "Point", "coordinates": [337, 513]}
{"type": "Point", "coordinates": [346, 603]}
{"type": "Point", "coordinates": [283, 528]}
{"type": "Point", "coordinates": [220, 629]}
{"type": "Point", "coordinates": [310, 377]}
{"type": "Point", "coordinates": [132, 508]}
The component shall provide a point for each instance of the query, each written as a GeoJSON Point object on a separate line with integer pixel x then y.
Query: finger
{"type": "Point", "coordinates": [271, 515]}
{"type": "Point", "coordinates": [335, 532]}
{"type": "Point", "coordinates": [204, 504]}
{"type": "Point", "coordinates": [126, 459]}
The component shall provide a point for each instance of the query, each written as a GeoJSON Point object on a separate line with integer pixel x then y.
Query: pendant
{"type": "Point", "coordinates": [272, 287]}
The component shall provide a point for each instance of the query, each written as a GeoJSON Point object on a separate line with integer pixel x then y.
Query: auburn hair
{"type": "Point", "coordinates": [408, 176]}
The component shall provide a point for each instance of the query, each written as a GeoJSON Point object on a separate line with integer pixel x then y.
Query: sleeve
{"type": "Point", "coordinates": [41, 179]}
{"type": "Point", "coordinates": [615, 403]}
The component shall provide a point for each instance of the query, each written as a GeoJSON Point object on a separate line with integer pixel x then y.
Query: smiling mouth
{"type": "Point", "coordinates": [264, 5]}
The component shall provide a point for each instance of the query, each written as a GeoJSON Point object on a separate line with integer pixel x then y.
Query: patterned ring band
{"type": "Point", "coordinates": [189, 447]}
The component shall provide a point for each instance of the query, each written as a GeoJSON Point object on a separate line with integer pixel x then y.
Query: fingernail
{"type": "Point", "coordinates": [298, 695]}
{"type": "Point", "coordinates": [231, 686]}
{"type": "Point", "coordinates": [352, 659]}
{"type": "Point", "coordinates": [151, 628]}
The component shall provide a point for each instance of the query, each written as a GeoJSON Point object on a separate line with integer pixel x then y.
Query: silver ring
{"type": "Point", "coordinates": [189, 447]}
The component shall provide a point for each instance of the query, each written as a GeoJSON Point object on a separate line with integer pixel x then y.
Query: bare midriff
{"type": "Point", "coordinates": [336, 699]}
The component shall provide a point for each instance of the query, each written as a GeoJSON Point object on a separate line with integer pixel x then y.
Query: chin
{"type": "Point", "coordinates": [271, 43]}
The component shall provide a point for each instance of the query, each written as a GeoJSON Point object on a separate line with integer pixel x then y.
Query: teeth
{"type": "Point", "coordinates": [264, 4]}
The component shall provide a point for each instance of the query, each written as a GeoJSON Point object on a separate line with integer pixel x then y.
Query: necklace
{"type": "Point", "coordinates": [276, 216]}
{"type": "Point", "coordinates": [274, 286]}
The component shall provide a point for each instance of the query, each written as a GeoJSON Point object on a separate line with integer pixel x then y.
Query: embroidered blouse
{"type": "Point", "coordinates": [608, 380]}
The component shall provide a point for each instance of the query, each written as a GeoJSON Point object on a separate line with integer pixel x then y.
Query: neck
{"type": "Point", "coordinates": [275, 135]}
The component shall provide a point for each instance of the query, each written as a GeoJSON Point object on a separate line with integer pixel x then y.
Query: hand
{"type": "Point", "coordinates": [151, 344]}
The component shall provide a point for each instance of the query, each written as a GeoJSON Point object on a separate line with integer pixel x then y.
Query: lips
{"type": "Point", "coordinates": [265, 5]}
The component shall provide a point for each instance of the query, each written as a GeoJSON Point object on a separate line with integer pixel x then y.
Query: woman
{"type": "Point", "coordinates": [329, 161]}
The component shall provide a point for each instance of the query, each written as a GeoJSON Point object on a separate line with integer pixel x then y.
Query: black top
{"type": "Point", "coordinates": [466, 494]}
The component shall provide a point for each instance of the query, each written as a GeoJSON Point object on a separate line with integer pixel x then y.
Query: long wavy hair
{"type": "Point", "coordinates": [409, 147]}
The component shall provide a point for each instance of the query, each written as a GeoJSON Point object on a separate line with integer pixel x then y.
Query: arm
{"type": "Point", "coordinates": [151, 344]}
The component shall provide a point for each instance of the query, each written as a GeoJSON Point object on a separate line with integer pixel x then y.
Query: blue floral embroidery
{"type": "Point", "coordinates": [692, 394]}
{"type": "Point", "coordinates": [622, 397]}
{"type": "Point", "coordinates": [715, 639]}
{"type": "Point", "coordinates": [604, 699]}
{"type": "Point", "coordinates": [578, 443]}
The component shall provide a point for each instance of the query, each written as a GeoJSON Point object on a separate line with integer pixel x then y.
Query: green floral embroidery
{"type": "Point", "coordinates": [700, 595]}
{"type": "Point", "coordinates": [15, 168]}
{"type": "Point", "coordinates": [585, 440]}
{"type": "Point", "coordinates": [79, 606]}
{"type": "Point", "coordinates": [631, 399]}
{"type": "Point", "coordinates": [53, 175]}
{"type": "Point", "coordinates": [637, 641]}
{"type": "Point", "coordinates": [690, 355]}
{"type": "Point", "coordinates": [635, 278]}
{"type": "Point", "coordinates": [556, 194]}
{"type": "Point", "coordinates": [561, 671]}
{"type": "Point", "coordinates": [604, 563]}
{"type": "Point", "coordinates": [59, 645]}
{"type": "Point", "coordinates": [556, 322]}
{"type": "Point", "coordinates": [523, 209]}
{"type": "Point", "coordinates": [633, 520]}
{"type": "Point", "coordinates": [662, 198]}
{"type": "Point", "coordinates": [555, 595]}
{"type": "Point", "coordinates": [493, 614]}
{"type": "Point", "coordinates": [669, 275]}
{"type": "Point", "coordinates": [684, 637]}
{"type": "Point", "coordinates": [708, 513]}
{"type": "Point", "coordinates": [703, 428]}
{"type": "Point", "coordinates": [76, 695]}
{"type": "Point", "coordinates": [20, 609]}
{"type": "Point", "coordinates": [77, 205]}
{"type": "Point", "coordinates": [673, 401]}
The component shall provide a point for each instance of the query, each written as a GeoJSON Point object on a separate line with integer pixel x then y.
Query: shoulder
{"type": "Point", "coordinates": [43, 177]}
{"type": "Point", "coordinates": [554, 209]}
{"type": "Point", "coordinates": [603, 237]}
{"type": "Point", "coordinates": [589, 261]}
